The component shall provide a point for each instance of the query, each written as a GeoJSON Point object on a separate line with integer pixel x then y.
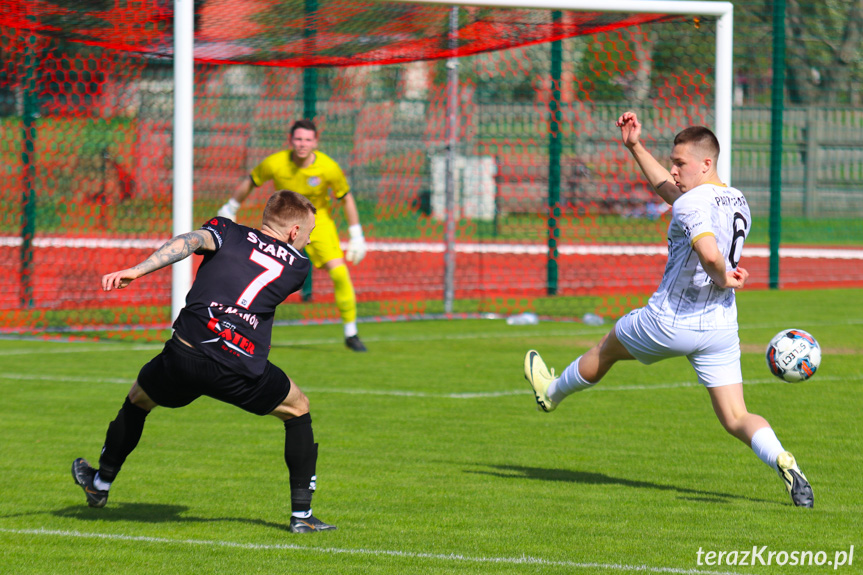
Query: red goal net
{"type": "Point", "coordinates": [551, 214]}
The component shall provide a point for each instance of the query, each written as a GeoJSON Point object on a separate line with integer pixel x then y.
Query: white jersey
{"type": "Point", "coordinates": [687, 297]}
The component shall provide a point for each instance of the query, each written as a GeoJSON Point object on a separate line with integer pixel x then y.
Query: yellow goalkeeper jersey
{"type": "Point", "coordinates": [315, 182]}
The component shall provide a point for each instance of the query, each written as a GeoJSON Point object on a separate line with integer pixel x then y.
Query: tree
{"type": "Point", "coordinates": [824, 47]}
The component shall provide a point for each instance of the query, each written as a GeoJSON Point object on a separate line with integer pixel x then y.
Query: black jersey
{"type": "Point", "coordinates": [229, 310]}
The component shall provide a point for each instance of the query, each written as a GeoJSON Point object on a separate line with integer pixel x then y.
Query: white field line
{"type": "Point", "coordinates": [600, 330]}
{"type": "Point", "coordinates": [418, 394]}
{"type": "Point", "coordinates": [515, 333]}
{"type": "Point", "coordinates": [525, 390]}
{"type": "Point", "coordinates": [79, 347]}
{"type": "Point", "coordinates": [109, 348]}
{"type": "Point", "coordinates": [467, 248]}
{"type": "Point", "coordinates": [451, 557]}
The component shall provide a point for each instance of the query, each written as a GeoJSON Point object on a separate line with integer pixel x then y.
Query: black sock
{"type": "Point", "coordinates": [301, 455]}
{"type": "Point", "coordinates": [122, 438]}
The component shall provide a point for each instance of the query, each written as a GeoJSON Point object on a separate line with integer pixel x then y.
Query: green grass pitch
{"type": "Point", "coordinates": [433, 458]}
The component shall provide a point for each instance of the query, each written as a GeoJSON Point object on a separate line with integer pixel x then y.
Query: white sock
{"type": "Point", "coordinates": [302, 514]}
{"type": "Point", "coordinates": [568, 383]}
{"type": "Point", "coordinates": [99, 484]}
{"type": "Point", "coordinates": [350, 329]}
{"type": "Point", "coordinates": [766, 446]}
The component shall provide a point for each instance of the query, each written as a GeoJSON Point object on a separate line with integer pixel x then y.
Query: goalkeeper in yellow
{"type": "Point", "coordinates": [306, 170]}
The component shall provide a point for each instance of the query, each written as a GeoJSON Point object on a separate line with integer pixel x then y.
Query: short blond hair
{"type": "Point", "coordinates": [286, 208]}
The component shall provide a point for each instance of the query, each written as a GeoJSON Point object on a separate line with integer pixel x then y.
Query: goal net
{"type": "Point", "coordinates": [510, 111]}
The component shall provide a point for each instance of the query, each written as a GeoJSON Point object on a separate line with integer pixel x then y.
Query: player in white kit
{"type": "Point", "coordinates": [693, 312]}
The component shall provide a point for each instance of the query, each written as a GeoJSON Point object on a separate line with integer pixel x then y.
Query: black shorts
{"type": "Point", "coordinates": [181, 374]}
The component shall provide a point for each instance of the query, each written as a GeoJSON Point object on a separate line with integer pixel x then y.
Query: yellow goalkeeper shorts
{"type": "Point", "coordinates": [324, 245]}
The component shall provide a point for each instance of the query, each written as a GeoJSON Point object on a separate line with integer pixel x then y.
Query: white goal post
{"type": "Point", "coordinates": [184, 143]}
{"type": "Point", "coordinates": [184, 91]}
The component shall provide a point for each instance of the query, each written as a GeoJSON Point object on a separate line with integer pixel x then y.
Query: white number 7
{"type": "Point", "coordinates": [273, 270]}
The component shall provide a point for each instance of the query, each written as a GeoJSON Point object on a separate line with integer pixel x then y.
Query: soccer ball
{"type": "Point", "coordinates": [793, 355]}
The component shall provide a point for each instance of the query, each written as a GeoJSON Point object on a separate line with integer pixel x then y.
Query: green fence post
{"type": "Point", "coordinates": [28, 164]}
{"type": "Point", "coordinates": [777, 108]}
{"type": "Point", "coordinates": [554, 152]}
{"type": "Point", "coordinates": [310, 104]}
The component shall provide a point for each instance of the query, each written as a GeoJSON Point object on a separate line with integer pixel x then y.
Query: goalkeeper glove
{"type": "Point", "coordinates": [229, 210]}
{"type": "Point", "coordinates": [357, 245]}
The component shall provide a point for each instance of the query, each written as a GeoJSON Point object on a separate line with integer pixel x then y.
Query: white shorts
{"type": "Point", "coordinates": [714, 354]}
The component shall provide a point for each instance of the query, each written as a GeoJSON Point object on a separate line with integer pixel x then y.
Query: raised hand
{"type": "Point", "coordinates": [630, 128]}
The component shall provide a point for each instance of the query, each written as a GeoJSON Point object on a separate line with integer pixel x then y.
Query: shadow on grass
{"type": "Point", "coordinates": [591, 478]}
{"type": "Point", "coordinates": [152, 513]}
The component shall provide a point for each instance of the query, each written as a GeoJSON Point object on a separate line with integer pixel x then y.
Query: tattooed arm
{"type": "Point", "coordinates": [174, 250]}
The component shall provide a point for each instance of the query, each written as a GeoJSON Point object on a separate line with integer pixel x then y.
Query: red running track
{"type": "Point", "coordinates": [68, 278]}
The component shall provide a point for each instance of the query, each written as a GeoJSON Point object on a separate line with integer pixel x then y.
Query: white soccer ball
{"type": "Point", "coordinates": [793, 355]}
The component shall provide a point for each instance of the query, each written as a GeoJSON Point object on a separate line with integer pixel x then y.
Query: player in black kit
{"type": "Point", "coordinates": [221, 341]}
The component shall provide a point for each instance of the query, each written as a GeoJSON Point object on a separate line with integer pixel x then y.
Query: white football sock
{"type": "Point", "coordinates": [350, 329]}
{"type": "Point", "coordinates": [568, 383]}
{"type": "Point", "coordinates": [99, 484]}
{"type": "Point", "coordinates": [302, 514]}
{"type": "Point", "coordinates": [766, 446]}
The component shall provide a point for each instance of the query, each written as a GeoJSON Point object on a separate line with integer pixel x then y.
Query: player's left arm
{"type": "Point", "coordinates": [174, 250]}
{"type": "Point", "coordinates": [351, 212]}
{"type": "Point", "coordinates": [713, 262]}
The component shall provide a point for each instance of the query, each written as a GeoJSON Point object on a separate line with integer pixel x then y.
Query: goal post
{"type": "Point", "coordinates": [184, 103]}
{"type": "Point", "coordinates": [184, 144]}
